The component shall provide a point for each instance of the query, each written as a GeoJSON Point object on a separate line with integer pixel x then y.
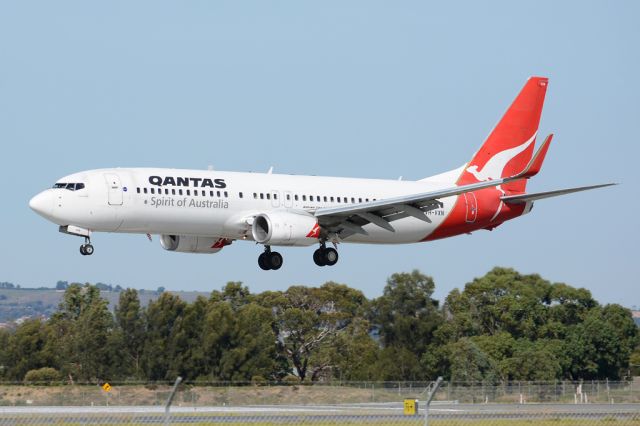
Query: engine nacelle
{"type": "Point", "coordinates": [189, 244]}
{"type": "Point", "coordinates": [285, 228]}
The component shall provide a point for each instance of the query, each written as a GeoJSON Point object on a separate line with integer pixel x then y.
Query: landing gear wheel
{"type": "Point", "coordinates": [318, 257]}
{"type": "Point", "coordinates": [330, 256]}
{"type": "Point", "coordinates": [275, 260]}
{"type": "Point", "coordinates": [86, 249]}
{"type": "Point", "coordinates": [263, 262]}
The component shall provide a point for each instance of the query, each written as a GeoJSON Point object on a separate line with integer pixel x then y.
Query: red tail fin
{"type": "Point", "coordinates": [509, 146]}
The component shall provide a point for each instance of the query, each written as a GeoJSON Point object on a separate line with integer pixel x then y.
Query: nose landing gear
{"type": "Point", "coordinates": [270, 260]}
{"type": "Point", "coordinates": [86, 249]}
{"type": "Point", "coordinates": [325, 256]}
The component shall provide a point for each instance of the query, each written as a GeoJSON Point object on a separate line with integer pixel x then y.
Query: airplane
{"type": "Point", "coordinates": [198, 211]}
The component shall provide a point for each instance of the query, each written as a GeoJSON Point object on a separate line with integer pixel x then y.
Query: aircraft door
{"type": "Point", "coordinates": [114, 188]}
{"type": "Point", "coordinates": [275, 198]}
{"type": "Point", "coordinates": [472, 206]}
{"type": "Point", "coordinates": [288, 199]}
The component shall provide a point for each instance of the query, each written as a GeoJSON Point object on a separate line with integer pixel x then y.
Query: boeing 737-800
{"type": "Point", "coordinates": [197, 211]}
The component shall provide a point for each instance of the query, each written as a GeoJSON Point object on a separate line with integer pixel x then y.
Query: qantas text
{"type": "Point", "coordinates": [187, 181]}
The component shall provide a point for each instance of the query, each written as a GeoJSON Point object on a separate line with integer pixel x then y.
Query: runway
{"type": "Point", "coordinates": [340, 413]}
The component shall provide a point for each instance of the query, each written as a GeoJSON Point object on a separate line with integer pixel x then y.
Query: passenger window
{"type": "Point", "coordinates": [261, 196]}
{"type": "Point", "coordinates": [346, 200]}
{"type": "Point", "coordinates": [359, 200]}
{"type": "Point", "coordinates": [367, 200]}
{"type": "Point", "coordinates": [338, 199]}
{"type": "Point", "coordinates": [166, 191]}
{"type": "Point", "coordinates": [332, 199]}
{"type": "Point", "coordinates": [310, 197]}
{"type": "Point", "coordinates": [288, 196]}
{"type": "Point", "coordinates": [138, 190]}
{"type": "Point", "coordinates": [210, 193]}
{"type": "Point", "coordinates": [180, 191]}
{"type": "Point", "coordinates": [304, 198]}
{"type": "Point", "coordinates": [226, 194]}
{"type": "Point", "coordinates": [255, 196]}
{"type": "Point", "coordinates": [218, 193]}
{"type": "Point", "coordinates": [188, 192]}
{"type": "Point", "coordinates": [295, 197]}
{"type": "Point", "coordinates": [240, 194]}
{"type": "Point", "coordinates": [275, 196]}
{"type": "Point", "coordinates": [145, 190]}
{"type": "Point", "coordinates": [153, 190]}
{"type": "Point", "coordinates": [353, 200]}
{"type": "Point", "coordinates": [325, 198]}
{"type": "Point", "coordinates": [173, 192]}
{"type": "Point", "coordinates": [268, 196]}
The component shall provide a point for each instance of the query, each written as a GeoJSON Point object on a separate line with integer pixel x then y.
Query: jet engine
{"type": "Point", "coordinates": [285, 228]}
{"type": "Point", "coordinates": [189, 244]}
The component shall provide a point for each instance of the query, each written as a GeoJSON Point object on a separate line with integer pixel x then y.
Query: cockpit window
{"type": "Point", "coordinates": [69, 186]}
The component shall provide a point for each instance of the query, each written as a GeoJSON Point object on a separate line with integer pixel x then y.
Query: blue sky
{"type": "Point", "coordinates": [362, 88]}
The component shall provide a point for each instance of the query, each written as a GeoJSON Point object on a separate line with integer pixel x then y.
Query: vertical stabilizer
{"type": "Point", "coordinates": [509, 146]}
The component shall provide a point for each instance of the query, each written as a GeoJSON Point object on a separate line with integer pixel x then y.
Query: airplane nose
{"type": "Point", "coordinates": [42, 204]}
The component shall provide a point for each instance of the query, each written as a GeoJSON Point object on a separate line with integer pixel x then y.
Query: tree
{"type": "Point", "coordinates": [130, 322]}
{"type": "Point", "coordinates": [187, 351]}
{"type": "Point", "coordinates": [308, 318]}
{"type": "Point", "coordinates": [601, 345]}
{"type": "Point", "coordinates": [161, 317]}
{"type": "Point", "coordinates": [502, 300]}
{"type": "Point", "coordinates": [251, 348]}
{"type": "Point", "coordinates": [352, 354]}
{"type": "Point", "coordinates": [26, 349]}
{"type": "Point", "coordinates": [469, 363]}
{"type": "Point", "coordinates": [62, 285]}
{"type": "Point", "coordinates": [79, 334]}
{"type": "Point", "coordinates": [406, 315]}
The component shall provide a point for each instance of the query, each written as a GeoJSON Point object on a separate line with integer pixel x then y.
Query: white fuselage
{"type": "Point", "coordinates": [219, 204]}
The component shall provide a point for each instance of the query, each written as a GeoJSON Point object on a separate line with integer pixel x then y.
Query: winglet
{"type": "Point", "coordinates": [535, 164]}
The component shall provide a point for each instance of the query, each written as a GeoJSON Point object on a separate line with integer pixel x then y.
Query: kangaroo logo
{"type": "Point", "coordinates": [494, 168]}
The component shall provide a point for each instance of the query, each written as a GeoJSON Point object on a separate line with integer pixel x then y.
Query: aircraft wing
{"type": "Point", "coordinates": [350, 218]}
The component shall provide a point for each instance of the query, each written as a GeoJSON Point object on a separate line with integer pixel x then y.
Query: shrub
{"type": "Point", "coordinates": [46, 375]}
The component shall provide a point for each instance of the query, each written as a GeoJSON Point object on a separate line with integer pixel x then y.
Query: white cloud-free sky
{"type": "Point", "coordinates": [360, 88]}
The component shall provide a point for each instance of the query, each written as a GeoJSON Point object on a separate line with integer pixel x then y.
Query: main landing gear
{"type": "Point", "coordinates": [270, 260]}
{"type": "Point", "coordinates": [325, 256]}
{"type": "Point", "coordinates": [86, 249]}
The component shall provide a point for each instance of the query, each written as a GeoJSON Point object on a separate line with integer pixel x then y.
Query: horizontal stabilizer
{"type": "Point", "coordinates": [520, 199]}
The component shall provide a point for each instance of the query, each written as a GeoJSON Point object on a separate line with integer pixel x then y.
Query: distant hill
{"type": "Point", "coordinates": [20, 303]}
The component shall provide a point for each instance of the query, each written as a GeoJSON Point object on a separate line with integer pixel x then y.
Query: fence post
{"type": "Point", "coordinates": [429, 398]}
{"type": "Point", "coordinates": [170, 400]}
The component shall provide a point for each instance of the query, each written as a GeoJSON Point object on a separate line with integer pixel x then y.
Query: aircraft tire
{"type": "Point", "coordinates": [88, 249]}
{"type": "Point", "coordinates": [275, 260]}
{"type": "Point", "coordinates": [318, 257]}
{"type": "Point", "coordinates": [82, 252]}
{"type": "Point", "coordinates": [330, 256]}
{"type": "Point", "coordinates": [263, 262]}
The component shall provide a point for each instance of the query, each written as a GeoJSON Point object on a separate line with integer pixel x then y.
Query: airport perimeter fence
{"type": "Point", "coordinates": [361, 403]}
